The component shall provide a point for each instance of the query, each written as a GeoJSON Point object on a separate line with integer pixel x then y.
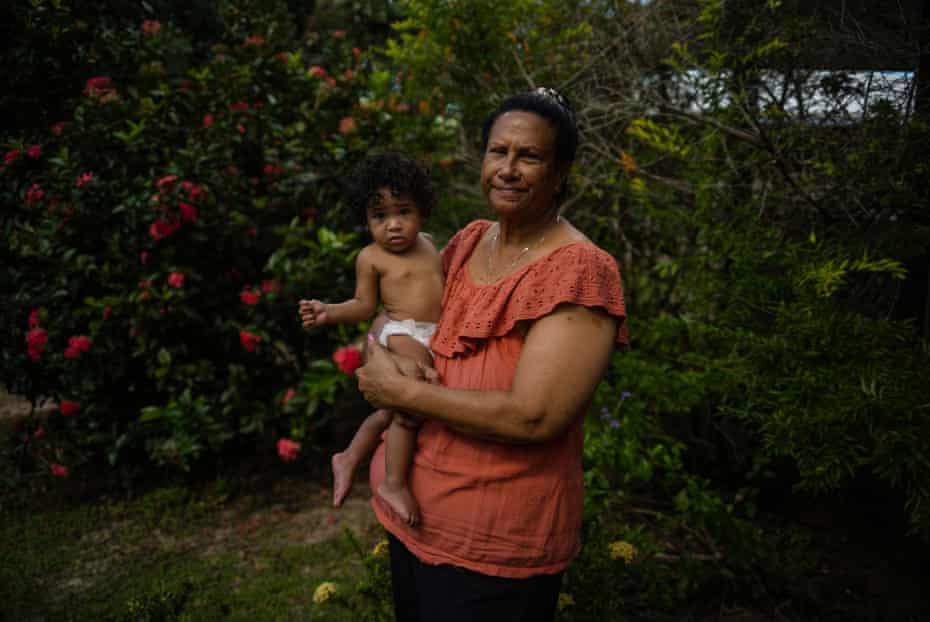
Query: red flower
{"type": "Point", "coordinates": [59, 128]}
{"type": "Point", "coordinates": [34, 152]}
{"type": "Point", "coordinates": [83, 179]}
{"type": "Point", "coordinates": [144, 257]}
{"type": "Point", "coordinates": [39, 434]}
{"type": "Point", "coordinates": [10, 156]}
{"type": "Point", "coordinates": [284, 57]}
{"type": "Point", "coordinates": [107, 310]}
{"type": "Point", "coordinates": [151, 27]}
{"type": "Point", "coordinates": [176, 280]}
{"type": "Point", "coordinates": [188, 212]}
{"type": "Point", "coordinates": [339, 34]}
{"type": "Point", "coordinates": [185, 86]}
{"type": "Point", "coordinates": [273, 169]}
{"type": "Point", "coordinates": [317, 71]}
{"type": "Point", "coordinates": [287, 449]}
{"type": "Point", "coordinates": [69, 408]}
{"type": "Point", "coordinates": [401, 107]}
{"type": "Point", "coordinates": [356, 52]}
{"type": "Point", "coordinates": [58, 470]}
{"type": "Point", "coordinates": [349, 74]}
{"type": "Point", "coordinates": [270, 285]}
{"type": "Point", "coordinates": [347, 359]}
{"type": "Point", "coordinates": [167, 180]}
{"type": "Point", "coordinates": [347, 126]}
{"type": "Point", "coordinates": [36, 339]}
{"type": "Point", "coordinates": [249, 340]}
{"type": "Point", "coordinates": [77, 345]}
{"type": "Point", "coordinates": [34, 194]}
{"type": "Point", "coordinates": [161, 229]}
{"type": "Point", "coordinates": [239, 107]}
{"type": "Point", "coordinates": [35, 317]}
{"type": "Point", "coordinates": [97, 84]}
{"type": "Point", "coordinates": [251, 232]}
{"type": "Point", "coordinates": [288, 396]}
{"type": "Point", "coordinates": [240, 128]}
{"type": "Point", "coordinates": [331, 82]}
{"type": "Point", "coordinates": [207, 120]}
{"type": "Point", "coordinates": [249, 297]}
{"type": "Point", "coordinates": [255, 40]}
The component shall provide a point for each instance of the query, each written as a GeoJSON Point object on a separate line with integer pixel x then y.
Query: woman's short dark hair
{"type": "Point", "coordinates": [389, 170]}
{"type": "Point", "coordinates": [550, 105]}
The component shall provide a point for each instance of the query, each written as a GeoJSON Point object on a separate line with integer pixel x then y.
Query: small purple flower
{"type": "Point", "coordinates": [613, 423]}
{"type": "Point", "coordinates": [625, 395]}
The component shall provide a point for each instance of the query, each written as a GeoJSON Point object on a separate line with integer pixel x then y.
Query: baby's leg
{"type": "Point", "coordinates": [401, 442]}
{"type": "Point", "coordinates": [364, 442]}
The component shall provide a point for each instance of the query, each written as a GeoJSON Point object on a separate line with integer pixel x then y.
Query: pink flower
{"type": "Point", "coordinates": [194, 192]}
{"type": "Point", "coordinates": [11, 156]}
{"type": "Point", "coordinates": [239, 107]}
{"type": "Point", "coordinates": [161, 229]}
{"type": "Point", "coordinates": [34, 194]}
{"type": "Point", "coordinates": [339, 34]}
{"type": "Point", "coordinates": [188, 212]}
{"type": "Point", "coordinates": [59, 128]}
{"type": "Point", "coordinates": [356, 52]}
{"type": "Point", "coordinates": [288, 396]}
{"type": "Point", "coordinates": [151, 28]}
{"type": "Point", "coordinates": [69, 408]}
{"type": "Point", "coordinates": [83, 179]}
{"type": "Point", "coordinates": [331, 82]}
{"type": "Point", "coordinates": [144, 257]}
{"type": "Point", "coordinates": [176, 280]}
{"type": "Point", "coordinates": [284, 57]}
{"type": "Point", "coordinates": [39, 434]}
{"type": "Point", "coordinates": [273, 170]}
{"type": "Point", "coordinates": [347, 126]}
{"type": "Point", "coordinates": [58, 470]}
{"type": "Point", "coordinates": [34, 152]}
{"type": "Point", "coordinates": [167, 180]}
{"type": "Point", "coordinates": [249, 297]}
{"type": "Point", "coordinates": [249, 340]}
{"type": "Point", "coordinates": [207, 120]}
{"type": "Point", "coordinates": [255, 40]}
{"type": "Point", "coordinates": [35, 317]}
{"type": "Point", "coordinates": [347, 359]}
{"type": "Point", "coordinates": [240, 128]}
{"type": "Point", "coordinates": [317, 71]}
{"type": "Point", "coordinates": [36, 339]}
{"type": "Point", "coordinates": [287, 449]}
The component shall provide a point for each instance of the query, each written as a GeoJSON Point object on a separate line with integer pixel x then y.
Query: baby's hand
{"type": "Point", "coordinates": [312, 313]}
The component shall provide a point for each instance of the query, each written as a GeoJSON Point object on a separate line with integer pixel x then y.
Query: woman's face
{"type": "Point", "coordinates": [520, 175]}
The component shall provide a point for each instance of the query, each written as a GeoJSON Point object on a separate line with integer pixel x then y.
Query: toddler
{"type": "Point", "coordinates": [402, 270]}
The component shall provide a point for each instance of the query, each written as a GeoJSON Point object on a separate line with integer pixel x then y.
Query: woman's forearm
{"type": "Point", "coordinates": [494, 415]}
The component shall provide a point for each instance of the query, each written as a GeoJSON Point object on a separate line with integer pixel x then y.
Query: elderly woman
{"type": "Point", "coordinates": [531, 312]}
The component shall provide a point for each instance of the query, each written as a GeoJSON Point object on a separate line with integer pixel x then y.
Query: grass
{"type": "Point", "coordinates": [181, 553]}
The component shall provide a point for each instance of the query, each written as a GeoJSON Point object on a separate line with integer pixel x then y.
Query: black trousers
{"type": "Point", "coordinates": [444, 593]}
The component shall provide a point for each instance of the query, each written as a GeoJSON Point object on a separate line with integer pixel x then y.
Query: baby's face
{"type": "Point", "coordinates": [394, 221]}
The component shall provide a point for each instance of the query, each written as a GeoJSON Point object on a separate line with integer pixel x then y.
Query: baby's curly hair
{"type": "Point", "coordinates": [389, 170]}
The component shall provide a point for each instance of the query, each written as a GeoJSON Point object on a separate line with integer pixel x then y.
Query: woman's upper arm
{"type": "Point", "coordinates": [564, 357]}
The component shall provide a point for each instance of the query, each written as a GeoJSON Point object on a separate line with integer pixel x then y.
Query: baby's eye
{"type": "Point", "coordinates": [405, 211]}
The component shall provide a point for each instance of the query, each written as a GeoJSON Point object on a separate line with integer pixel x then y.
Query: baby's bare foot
{"type": "Point", "coordinates": [343, 474]}
{"type": "Point", "coordinates": [401, 501]}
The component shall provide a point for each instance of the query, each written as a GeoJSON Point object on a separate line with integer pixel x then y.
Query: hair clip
{"type": "Point", "coordinates": [556, 98]}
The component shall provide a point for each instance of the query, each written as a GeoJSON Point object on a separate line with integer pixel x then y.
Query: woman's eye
{"type": "Point", "coordinates": [405, 211]}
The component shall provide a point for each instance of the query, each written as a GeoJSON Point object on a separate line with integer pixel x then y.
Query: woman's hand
{"type": "Point", "coordinates": [380, 377]}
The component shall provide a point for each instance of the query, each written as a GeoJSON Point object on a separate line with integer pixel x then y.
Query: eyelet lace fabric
{"type": "Point", "coordinates": [578, 273]}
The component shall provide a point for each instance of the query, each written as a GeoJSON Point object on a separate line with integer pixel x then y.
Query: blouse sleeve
{"type": "Point", "coordinates": [580, 274]}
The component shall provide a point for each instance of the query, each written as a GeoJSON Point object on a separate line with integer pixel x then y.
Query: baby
{"type": "Point", "coordinates": [402, 270]}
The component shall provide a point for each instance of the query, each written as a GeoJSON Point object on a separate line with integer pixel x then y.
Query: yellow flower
{"type": "Point", "coordinates": [565, 601]}
{"type": "Point", "coordinates": [623, 550]}
{"type": "Point", "coordinates": [324, 591]}
{"type": "Point", "coordinates": [381, 549]}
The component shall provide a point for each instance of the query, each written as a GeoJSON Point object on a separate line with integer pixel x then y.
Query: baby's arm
{"type": "Point", "coordinates": [358, 308]}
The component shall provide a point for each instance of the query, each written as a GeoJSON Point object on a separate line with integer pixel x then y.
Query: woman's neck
{"type": "Point", "coordinates": [521, 232]}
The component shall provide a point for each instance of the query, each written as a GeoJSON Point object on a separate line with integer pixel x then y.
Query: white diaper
{"type": "Point", "coordinates": [421, 331]}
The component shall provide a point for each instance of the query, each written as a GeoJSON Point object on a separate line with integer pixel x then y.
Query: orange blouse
{"type": "Point", "coordinates": [496, 508]}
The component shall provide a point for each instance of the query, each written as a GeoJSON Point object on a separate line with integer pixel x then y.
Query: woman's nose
{"type": "Point", "coordinates": [508, 169]}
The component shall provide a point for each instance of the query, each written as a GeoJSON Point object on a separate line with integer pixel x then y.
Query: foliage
{"type": "Point", "coordinates": [170, 223]}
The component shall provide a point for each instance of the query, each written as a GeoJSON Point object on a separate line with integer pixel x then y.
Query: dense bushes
{"type": "Point", "coordinates": [170, 223]}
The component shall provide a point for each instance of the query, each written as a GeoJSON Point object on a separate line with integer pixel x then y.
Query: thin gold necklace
{"type": "Point", "coordinates": [490, 273]}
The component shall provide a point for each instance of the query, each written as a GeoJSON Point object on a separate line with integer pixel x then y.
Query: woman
{"type": "Point", "coordinates": [530, 315]}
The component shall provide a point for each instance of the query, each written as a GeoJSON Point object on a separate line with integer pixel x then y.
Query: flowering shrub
{"type": "Point", "coordinates": [161, 231]}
